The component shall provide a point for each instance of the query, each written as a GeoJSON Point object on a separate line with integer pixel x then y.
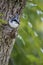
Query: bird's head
{"type": "Point", "coordinates": [14, 22]}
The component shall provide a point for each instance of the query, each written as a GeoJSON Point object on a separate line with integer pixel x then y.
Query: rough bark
{"type": "Point", "coordinates": [8, 9]}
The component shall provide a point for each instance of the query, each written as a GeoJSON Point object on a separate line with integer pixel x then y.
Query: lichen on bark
{"type": "Point", "coordinates": [8, 9]}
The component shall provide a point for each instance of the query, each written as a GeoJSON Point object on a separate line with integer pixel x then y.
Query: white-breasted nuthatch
{"type": "Point", "coordinates": [14, 22]}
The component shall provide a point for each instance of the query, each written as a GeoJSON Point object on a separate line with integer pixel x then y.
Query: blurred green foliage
{"type": "Point", "coordinates": [28, 49]}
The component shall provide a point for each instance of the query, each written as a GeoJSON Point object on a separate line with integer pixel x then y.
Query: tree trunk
{"type": "Point", "coordinates": [8, 9]}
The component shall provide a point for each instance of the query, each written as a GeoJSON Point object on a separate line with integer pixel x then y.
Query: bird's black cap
{"type": "Point", "coordinates": [16, 18]}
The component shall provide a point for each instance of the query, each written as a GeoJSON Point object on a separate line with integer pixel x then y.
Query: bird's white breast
{"type": "Point", "coordinates": [13, 24]}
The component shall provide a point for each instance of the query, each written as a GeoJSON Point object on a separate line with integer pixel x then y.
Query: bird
{"type": "Point", "coordinates": [8, 34]}
{"type": "Point", "coordinates": [14, 21]}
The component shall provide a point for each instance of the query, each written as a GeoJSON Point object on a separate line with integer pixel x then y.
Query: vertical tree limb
{"type": "Point", "coordinates": [8, 9]}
